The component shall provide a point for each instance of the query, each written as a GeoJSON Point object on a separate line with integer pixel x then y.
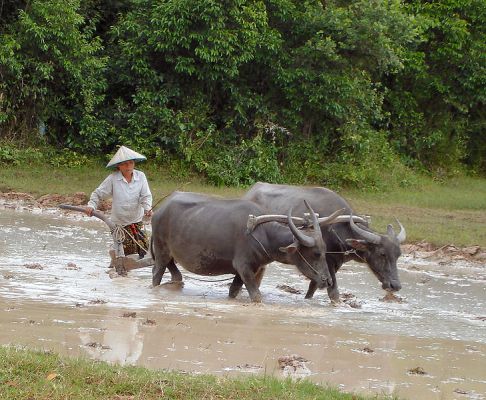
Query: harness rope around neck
{"type": "Point", "coordinates": [268, 255]}
{"type": "Point", "coordinates": [342, 244]}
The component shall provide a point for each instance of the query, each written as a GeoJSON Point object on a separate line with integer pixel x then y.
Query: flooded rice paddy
{"type": "Point", "coordinates": [55, 294]}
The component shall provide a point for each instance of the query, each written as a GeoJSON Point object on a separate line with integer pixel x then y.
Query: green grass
{"type": "Point", "coordinates": [452, 212]}
{"type": "Point", "coordinates": [464, 193]}
{"type": "Point", "coordinates": [27, 374]}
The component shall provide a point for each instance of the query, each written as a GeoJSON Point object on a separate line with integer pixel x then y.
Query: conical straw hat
{"type": "Point", "coordinates": [125, 154]}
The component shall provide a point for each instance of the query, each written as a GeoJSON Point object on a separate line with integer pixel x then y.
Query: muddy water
{"type": "Point", "coordinates": [55, 294]}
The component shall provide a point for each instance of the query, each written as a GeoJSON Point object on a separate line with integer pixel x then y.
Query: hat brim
{"type": "Point", "coordinates": [114, 165]}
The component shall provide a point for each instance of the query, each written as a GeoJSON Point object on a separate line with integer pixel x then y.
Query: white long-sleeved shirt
{"type": "Point", "coordinates": [130, 200]}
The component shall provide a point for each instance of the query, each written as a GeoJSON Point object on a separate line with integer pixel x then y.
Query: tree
{"type": "Point", "coordinates": [50, 72]}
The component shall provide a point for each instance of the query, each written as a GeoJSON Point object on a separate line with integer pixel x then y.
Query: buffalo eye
{"type": "Point", "coordinates": [317, 254]}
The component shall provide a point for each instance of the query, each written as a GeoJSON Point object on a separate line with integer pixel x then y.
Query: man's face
{"type": "Point", "coordinates": [126, 167]}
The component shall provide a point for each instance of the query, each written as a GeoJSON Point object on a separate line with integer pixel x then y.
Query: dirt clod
{"type": "Point", "coordinates": [33, 266]}
{"type": "Point", "coordinates": [131, 314]}
{"type": "Point", "coordinates": [367, 350]}
{"type": "Point", "coordinates": [97, 301]}
{"type": "Point", "coordinates": [417, 371]}
{"type": "Point", "coordinates": [293, 361]}
{"type": "Point", "coordinates": [289, 289]}
{"type": "Point", "coordinates": [390, 297]}
{"type": "Point", "coordinates": [72, 267]}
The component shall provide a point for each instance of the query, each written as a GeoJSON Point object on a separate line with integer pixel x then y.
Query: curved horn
{"type": "Point", "coordinates": [335, 217]}
{"type": "Point", "coordinates": [307, 241]}
{"type": "Point", "coordinates": [254, 221]}
{"type": "Point", "coordinates": [315, 222]}
{"type": "Point", "coordinates": [368, 236]}
{"type": "Point", "coordinates": [346, 218]}
{"type": "Point", "coordinates": [402, 235]}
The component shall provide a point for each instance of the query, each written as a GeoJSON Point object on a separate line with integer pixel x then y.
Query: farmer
{"type": "Point", "coordinates": [131, 200]}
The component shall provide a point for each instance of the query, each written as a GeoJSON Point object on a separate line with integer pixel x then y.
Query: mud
{"type": "Point", "coordinates": [427, 342]}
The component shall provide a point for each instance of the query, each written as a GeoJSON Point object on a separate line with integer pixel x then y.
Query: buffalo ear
{"type": "Point", "coordinates": [290, 249]}
{"type": "Point", "coordinates": [357, 244]}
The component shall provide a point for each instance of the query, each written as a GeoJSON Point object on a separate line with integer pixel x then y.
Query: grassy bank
{"type": "Point", "coordinates": [37, 375]}
{"type": "Point", "coordinates": [452, 212]}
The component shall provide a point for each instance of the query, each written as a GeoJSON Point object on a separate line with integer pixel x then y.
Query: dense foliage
{"type": "Point", "coordinates": [331, 92]}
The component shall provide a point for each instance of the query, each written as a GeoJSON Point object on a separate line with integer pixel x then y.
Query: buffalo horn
{"type": "Point", "coordinates": [368, 236]}
{"type": "Point", "coordinates": [402, 235]}
{"type": "Point", "coordinates": [336, 217]}
{"type": "Point", "coordinates": [305, 240]}
{"type": "Point", "coordinates": [254, 221]}
{"type": "Point", "coordinates": [346, 218]}
{"type": "Point", "coordinates": [315, 222]}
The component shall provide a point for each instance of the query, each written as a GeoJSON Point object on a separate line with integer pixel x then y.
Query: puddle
{"type": "Point", "coordinates": [71, 305]}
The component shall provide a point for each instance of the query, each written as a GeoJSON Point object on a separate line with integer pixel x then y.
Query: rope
{"type": "Point", "coordinates": [119, 233]}
{"type": "Point", "coordinates": [342, 244]}
{"type": "Point", "coordinates": [208, 280]}
{"type": "Point", "coordinates": [307, 262]}
{"type": "Point", "coordinates": [260, 243]}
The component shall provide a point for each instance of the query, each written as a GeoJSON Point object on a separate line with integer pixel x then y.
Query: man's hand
{"type": "Point", "coordinates": [89, 211]}
{"type": "Point", "coordinates": [148, 213]}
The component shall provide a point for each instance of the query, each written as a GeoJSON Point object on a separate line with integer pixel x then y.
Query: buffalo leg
{"type": "Point", "coordinates": [157, 274]}
{"type": "Point", "coordinates": [162, 260]}
{"type": "Point", "coordinates": [259, 276]}
{"type": "Point", "coordinates": [175, 274]}
{"type": "Point", "coordinates": [248, 277]}
{"type": "Point", "coordinates": [235, 287]}
{"type": "Point", "coordinates": [333, 291]}
{"type": "Point", "coordinates": [311, 290]}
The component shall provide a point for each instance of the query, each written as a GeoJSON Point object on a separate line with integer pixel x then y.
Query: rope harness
{"type": "Point", "coordinates": [260, 243]}
{"type": "Point", "coordinates": [342, 244]}
{"type": "Point", "coordinates": [298, 251]}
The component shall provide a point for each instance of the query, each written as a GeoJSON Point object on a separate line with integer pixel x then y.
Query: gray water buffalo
{"type": "Point", "coordinates": [344, 240]}
{"type": "Point", "coordinates": [208, 236]}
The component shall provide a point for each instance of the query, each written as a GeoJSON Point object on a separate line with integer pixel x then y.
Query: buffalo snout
{"type": "Point", "coordinates": [393, 286]}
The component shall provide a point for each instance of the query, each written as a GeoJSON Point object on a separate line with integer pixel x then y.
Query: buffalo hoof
{"type": "Point", "coordinates": [256, 298]}
{"type": "Point", "coordinates": [233, 292]}
{"type": "Point", "coordinates": [336, 302]}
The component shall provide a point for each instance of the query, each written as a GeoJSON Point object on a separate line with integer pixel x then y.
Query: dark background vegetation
{"type": "Point", "coordinates": [356, 93]}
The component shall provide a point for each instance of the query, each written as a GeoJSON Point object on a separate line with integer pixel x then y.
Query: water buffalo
{"type": "Point", "coordinates": [344, 240]}
{"type": "Point", "coordinates": [208, 236]}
